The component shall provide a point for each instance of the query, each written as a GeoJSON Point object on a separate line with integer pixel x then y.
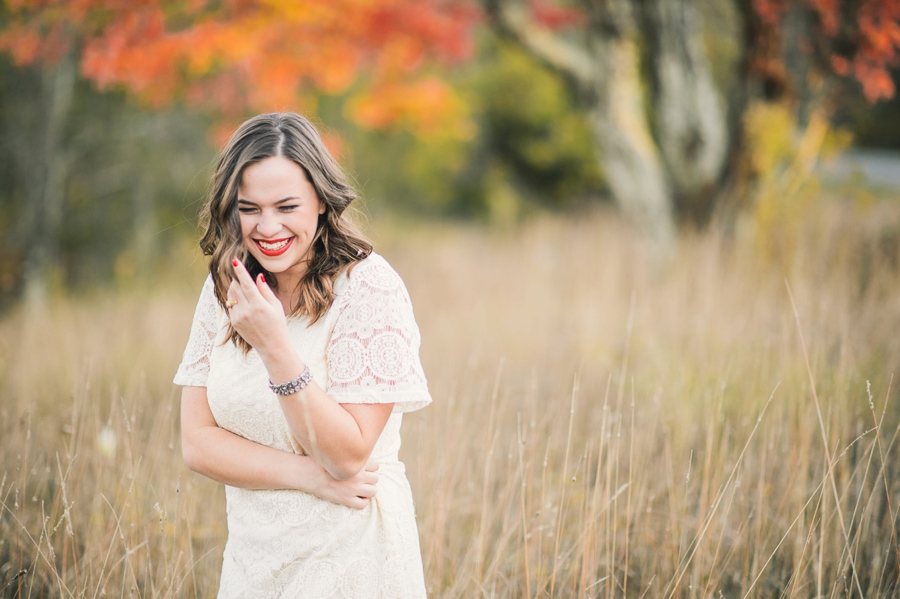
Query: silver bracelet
{"type": "Point", "coordinates": [293, 385]}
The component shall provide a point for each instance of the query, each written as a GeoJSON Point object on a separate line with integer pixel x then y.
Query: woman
{"type": "Point", "coordinates": [303, 355]}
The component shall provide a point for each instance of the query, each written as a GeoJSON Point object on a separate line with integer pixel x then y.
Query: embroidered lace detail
{"type": "Point", "coordinates": [194, 368]}
{"type": "Point", "coordinates": [285, 544]}
{"type": "Point", "coordinates": [373, 354]}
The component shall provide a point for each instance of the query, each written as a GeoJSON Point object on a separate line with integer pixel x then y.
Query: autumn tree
{"type": "Point", "coordinates": [228, 59]}
{"type": "Point", "coordinates": [669, 141]}
{"type": "Point", "coordinates": [670, 144]}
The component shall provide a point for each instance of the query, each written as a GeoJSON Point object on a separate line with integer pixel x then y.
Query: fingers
{"type": "Point", "coordinates": [364, 490]}
{"type": "Point", "coordinates": [243, 276]}
{"type": "Point", "coordinates": [367, 492]}
{"type": "Point", "coordinates": [263, 286]}
{"type": "Point", "coordinates": [358, 503]}
{"type": "Point", "coordinates": [237, 302]}
{"type": "Point", "coordinates": [363, 496]}
{"type": "Point", "coordinates": [245, 290]}
{"type": "Point", "coordinates": [371, 466]}
{"type": "Point", "coordinates": [235, 292]}
{"type": "Point", "coordinates": [361, 499]}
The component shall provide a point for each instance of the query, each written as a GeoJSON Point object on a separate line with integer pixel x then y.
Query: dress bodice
{"type": "Point", "coordinates": [363, 350]}
{"type": "Point", "coordinates": [240, 400]}
{"type": "Point", "coordinates": [287, 543]}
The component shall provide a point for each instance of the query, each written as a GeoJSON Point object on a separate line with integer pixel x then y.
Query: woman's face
{"type": "Point", "coordinates": [279, 211]}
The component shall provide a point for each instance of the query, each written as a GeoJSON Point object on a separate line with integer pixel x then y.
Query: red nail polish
{"type": "Point", "coordinates": [262, 278]}
{"type": "Point", "coordinates": [234, 262]}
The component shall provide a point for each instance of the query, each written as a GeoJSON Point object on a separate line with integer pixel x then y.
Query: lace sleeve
{"type": "Point", "coordinates": [194, 366]}
{"type": "Point", "coordinates": [373, 353]}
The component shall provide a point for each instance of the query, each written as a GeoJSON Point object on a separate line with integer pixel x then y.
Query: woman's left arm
{"type": "Point", "coordinates": [340, 437]}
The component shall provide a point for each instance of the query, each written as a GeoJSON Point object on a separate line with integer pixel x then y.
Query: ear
{"type": "Point", "coordinates": [322, 207]}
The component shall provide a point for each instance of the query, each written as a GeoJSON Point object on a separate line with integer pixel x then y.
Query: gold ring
{"type": "Point", "coordinates": [230, 304]}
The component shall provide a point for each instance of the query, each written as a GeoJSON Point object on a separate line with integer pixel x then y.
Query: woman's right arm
{"type": "Point", "coordinates": [233, 460]}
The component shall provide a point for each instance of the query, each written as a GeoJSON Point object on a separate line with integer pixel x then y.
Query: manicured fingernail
{"type": "Point", "coordinates": [262, 278]}
{"type": "Point", "coordinates": [234, 262]}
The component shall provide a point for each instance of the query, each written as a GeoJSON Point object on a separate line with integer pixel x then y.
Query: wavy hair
{"type": "Point", "coordinates": [336, 245]}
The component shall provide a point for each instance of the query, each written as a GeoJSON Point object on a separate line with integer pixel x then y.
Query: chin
{"type": "Point", "coordinates": [272, 266]}
{"type": "Point", "coordinates": [280, 264]}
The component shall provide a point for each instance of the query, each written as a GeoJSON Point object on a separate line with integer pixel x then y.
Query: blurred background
{"type": "Point", "coordinates": [653, 246]}
{"type": "Point", "coordinates": [681, 114]}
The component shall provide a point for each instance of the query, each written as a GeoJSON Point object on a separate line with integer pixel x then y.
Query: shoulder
{"type": "Point", "coordinates": [208, 292]}
{"type": "Point", "coordinates": [372, 302]}
{"type": "Point", "coordinates": [209, 286]}
{"type": "Point", "coordinates": [208, 308]}
{"type": "Point", "coordinates": [372, 272]}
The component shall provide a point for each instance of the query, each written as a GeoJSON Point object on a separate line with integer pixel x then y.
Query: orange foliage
{"type": "Point", "coordinates": [874, 32]}
{"type": "Point", "coordinates": [391, 103]}
{"type": "Point", "coordinates": [237, 56]}
{"type": "Point", "coordinates": [879, 33]}
{"type": "Point", "coordinates": [871, 28]}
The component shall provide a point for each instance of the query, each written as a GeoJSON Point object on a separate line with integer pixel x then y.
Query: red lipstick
{"type": "Point", "coordinates": [275, 247]}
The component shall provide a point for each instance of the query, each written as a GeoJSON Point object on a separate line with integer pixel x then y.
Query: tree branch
{"type": "Point", "coordinates": [511, 21]}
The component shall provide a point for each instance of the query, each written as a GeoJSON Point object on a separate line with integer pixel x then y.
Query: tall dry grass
{"type": "Point", "coordinates": [605, 424]}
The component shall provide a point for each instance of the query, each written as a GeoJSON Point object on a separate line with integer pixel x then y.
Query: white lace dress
{"type": "Point", "coordinates": [289, 544]}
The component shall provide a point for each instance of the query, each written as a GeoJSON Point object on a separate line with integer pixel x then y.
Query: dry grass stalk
{"type": "Point", "coordinates": [663, 471]}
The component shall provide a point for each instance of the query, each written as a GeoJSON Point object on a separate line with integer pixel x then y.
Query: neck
{"type": "Point", "coordinates": [288, 280]}
{"type": "Point", "coordinates": [287, 292]}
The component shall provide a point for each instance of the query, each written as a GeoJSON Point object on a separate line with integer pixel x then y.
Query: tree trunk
{"type": "Point", "coordinates": [45, 171]}
{"type": "Point", "coordinates": [691, 125]}
{"type": "Point", "coordinates": [647, 167]}
{"type": "Point", "coordinates": [628, 154]}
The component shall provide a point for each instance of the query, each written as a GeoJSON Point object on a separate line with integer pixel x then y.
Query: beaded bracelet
{"type": "Point", "coordinates": [293, 385]}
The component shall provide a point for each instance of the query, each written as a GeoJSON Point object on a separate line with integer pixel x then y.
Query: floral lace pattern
{"type": "Point", "coordinates": [194, 366]}
{"type": "Point", "coordinates": [288, 543]}
{"type": "Point", "coordinates": [373, 354]}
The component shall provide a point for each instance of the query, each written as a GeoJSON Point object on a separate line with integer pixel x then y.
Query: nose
{"type": "Point", "coordinates": [269, 225]}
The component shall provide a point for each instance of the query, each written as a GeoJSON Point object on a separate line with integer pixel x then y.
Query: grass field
{"type": "Point", "coordinates": [605, 423]}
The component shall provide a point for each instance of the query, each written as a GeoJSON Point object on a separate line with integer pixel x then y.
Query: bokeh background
{"type": "Point", "coordinates": [653, 247]}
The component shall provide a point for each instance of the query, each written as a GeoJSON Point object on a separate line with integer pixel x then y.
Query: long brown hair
{"type": "Point", "coordinates": [336, 245]}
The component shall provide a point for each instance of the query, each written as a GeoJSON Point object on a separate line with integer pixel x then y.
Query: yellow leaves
{"type": "Point", "coordinates": [294, 12]}
{"type": "Point", "coordinates": [769, 129]}
{"type": "Point", "coordinates": [784, 160]}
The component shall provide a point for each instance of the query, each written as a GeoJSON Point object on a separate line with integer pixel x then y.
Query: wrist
{"type": "Point", "coordinates": [308, 476]}
{"type": "Point", "coordinates": [275, 349]}
{"type": "Point", "coordinates": [294, 385]}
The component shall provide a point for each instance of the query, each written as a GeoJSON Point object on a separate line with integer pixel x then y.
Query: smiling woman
{"type": "Point", "coordinates": [280, 213]}
{"type": "Point", "coordinates": [302, 358]}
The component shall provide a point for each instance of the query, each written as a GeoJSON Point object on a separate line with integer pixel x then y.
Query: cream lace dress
{"type": "Point", "coordinates": [289, 544]}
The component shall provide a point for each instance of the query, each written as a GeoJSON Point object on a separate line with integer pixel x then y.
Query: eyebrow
{"type": "Point", "coordinates": [281, 201]}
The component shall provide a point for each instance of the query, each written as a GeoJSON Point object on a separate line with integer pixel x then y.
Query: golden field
{"type": "Point", "coordinates": [606, 422]}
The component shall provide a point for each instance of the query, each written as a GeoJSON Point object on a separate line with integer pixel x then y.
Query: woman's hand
{"type": "Point", "coordinates": [338, 437]}
{"type": "Point", "coordinates": [233, 460]}
{"type": "Point", "coordinates": [355, 492]}
{"type": "Point", "coordinates": [255, 312]}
